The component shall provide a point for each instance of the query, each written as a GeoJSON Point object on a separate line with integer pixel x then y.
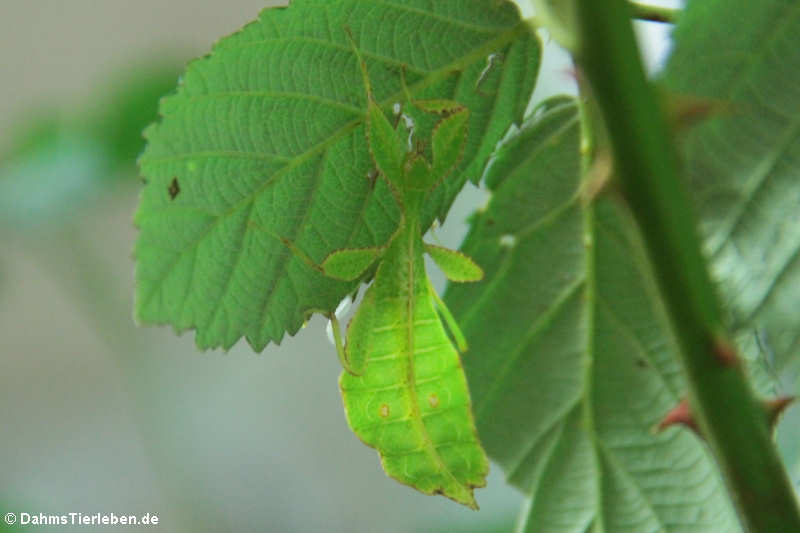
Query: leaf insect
{"type": "Point", "coordinates": [404, 390]}
{"type": "Point", "coordinates": [403, 387]}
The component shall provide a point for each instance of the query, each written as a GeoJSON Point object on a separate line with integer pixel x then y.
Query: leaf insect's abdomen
{"type": "Point", "coordinates": [412, 403]}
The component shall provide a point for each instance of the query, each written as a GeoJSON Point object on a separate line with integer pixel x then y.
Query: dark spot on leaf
{"type": "Point", "coordinates": [490, 222]}
{"type": "Point", "coordinates": [144, 180]}
{"type": "Point", "coordinates": [174, 189]}
{"type": "Point", "coordinates": [641, 363]}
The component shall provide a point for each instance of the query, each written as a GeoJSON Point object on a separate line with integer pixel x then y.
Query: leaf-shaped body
{"type": "Point", "coordinates": [413, 404]}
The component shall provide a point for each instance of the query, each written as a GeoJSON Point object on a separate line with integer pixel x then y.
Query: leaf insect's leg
{"type": "Point", "coordinates": [340, 349]}
{"type": "Point", "coordinates": [359, 334]}
{"type": "Point", "coordinates": [300, 254]}
{"type": "Point", "coordinates": [353, 354]}
{"type": "Point", "coordinates": [455, 265]}
{"type": "Point", "coordinates": [461, 342]}
{"type": "Point", "coordinates": [347, 264]}
{"type": "Point", "coordinates": [350, 264]}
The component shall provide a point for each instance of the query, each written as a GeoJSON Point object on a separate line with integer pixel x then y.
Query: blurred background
{"type": "Point", "coordinates": [98, 415]}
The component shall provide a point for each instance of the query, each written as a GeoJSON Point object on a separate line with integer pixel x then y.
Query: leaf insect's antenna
{"type": "Point", "coordinates": [491, 60]}
{"type": "Point", "coordinates": [291, 246]}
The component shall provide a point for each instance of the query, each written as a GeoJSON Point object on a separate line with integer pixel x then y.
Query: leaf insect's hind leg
{"type": "Point", "coordinates": [349, 264]}
{"type": "Point", "coordinates": [340, 347]}
{"type": "Point", "coordinates": [452, 325]}
{"type": "Point", "coordinates": [355, 354]}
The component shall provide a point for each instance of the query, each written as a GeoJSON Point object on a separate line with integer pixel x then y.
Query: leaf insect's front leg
{"type": "Point", "coordinates": [349, 265]}
{"type": "Point", "coordinates": [456, 267]}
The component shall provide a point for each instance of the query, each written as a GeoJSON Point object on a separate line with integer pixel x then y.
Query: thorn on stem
{"type": "Point", "coordinates": [776, 407]}
{"type": "Point", "coordinates": [725, 352]}
{"type": "Point", "coordinates": [680, 414]}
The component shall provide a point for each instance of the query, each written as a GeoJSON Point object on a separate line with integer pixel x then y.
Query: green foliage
{"type": "Point", "coordinates": [571, 360]}
{"type": "Point", "coordinates": [403, 388]}
{"type": "Point", "coordinates": [267, 132]}
{"type": "Point", "coordinates": [743, 163]}
{"type": "Point", "coordinates": [261, 153]}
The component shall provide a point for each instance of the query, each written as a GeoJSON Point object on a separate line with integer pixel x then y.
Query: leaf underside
{"type": "Point", "coordinates": [743, 167]}
{"type": "Point", "coordinates": [744, 163]}
{"type": "Point", "coordinates": [264, 141]}
{"type": "Point", "coordinates": [571, 360]}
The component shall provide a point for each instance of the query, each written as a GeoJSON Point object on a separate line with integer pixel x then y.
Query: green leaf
{"type": "Point", "coordinates": [571, 361]}
{"type": "Point", "coordinates": [744, 163]}
{"type": "Point", "coordinates": [743, 166]}
{"type": "Point", "coordinates": [267, 132]}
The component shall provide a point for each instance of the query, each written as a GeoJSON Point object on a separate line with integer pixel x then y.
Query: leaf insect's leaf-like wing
{"type": "Point", "coordinates": [350, 264]}
{"type": "Point", "coordinates": [455, 265]}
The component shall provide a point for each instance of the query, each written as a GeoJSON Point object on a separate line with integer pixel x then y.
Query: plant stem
{"type": "Point", "coordinates": [730, 417]}
{"type": "Point", "coordinates": [654, 13]}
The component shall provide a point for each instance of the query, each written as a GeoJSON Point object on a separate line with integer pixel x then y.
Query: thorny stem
{"type": "Point", "coordinates": [729, 416]}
